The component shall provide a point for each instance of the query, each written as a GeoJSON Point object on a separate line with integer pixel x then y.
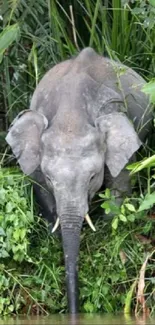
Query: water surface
{"type": "Point", "coordinates": [82, 319]}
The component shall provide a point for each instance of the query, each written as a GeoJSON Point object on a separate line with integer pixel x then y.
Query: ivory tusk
{"type": "Point", "coordinates": [56, 225]}
{"type": "Point", "coordinates": [90, 222]}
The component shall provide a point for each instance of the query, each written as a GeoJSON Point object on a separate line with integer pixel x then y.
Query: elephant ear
{"type": "Point", "coordinates": [24, 138]}
{"type": "Point", "coordinates": [121, 140]}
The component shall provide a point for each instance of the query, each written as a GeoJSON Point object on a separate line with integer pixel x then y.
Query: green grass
{"type": "Point", "coordinates": [32, 276]}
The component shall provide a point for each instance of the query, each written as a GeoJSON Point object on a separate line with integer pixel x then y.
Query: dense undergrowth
{"type": "Point", "coordinates": [32, 271]}
{"type": "Point", "coordinates": [116, 267]}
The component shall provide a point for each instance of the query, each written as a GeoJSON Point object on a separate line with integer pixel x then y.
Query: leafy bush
{"type": "Point", "coordinates": [31, 264]}
{"type": "Point", "coordinates": [16, 216]}
{"type": "Point", "coordinates": [25, 249]}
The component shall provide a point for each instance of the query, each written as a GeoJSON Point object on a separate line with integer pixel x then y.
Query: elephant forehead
{"type": "Point", "coordinates": [68, 123]}
{"type": "Point", "coordinates": [59, 143]}
{"type": "Point", "coordinates": [71, 166]}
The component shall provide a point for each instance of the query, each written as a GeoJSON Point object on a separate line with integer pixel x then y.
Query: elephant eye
{"type": "Point", "coordinates": [92, 177]}
{"type": "Point", "coordinates": [48, 178]}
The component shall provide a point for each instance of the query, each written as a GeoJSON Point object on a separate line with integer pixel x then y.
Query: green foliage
{"type": "Point", "coordinates": [131, 209]}
{"type": "Point", "coordinates": [149, 89]}
{"type": "Point", "coordinates": [112, 263]}
{"type": "Point", "coordinates": [15, 216]}
{"type": "Point", "coordinates": [26, 278]}
{"type": "Point", "coordinates": [31, 265]}
{"type": "Point", "coordinates": [7, 37]}
{"type": "Point", "coordinates": [148, 202]}
{"type": "Point", "coordinates": [142, 164]}
{"type": "Point", "coordinates": [132, 220]}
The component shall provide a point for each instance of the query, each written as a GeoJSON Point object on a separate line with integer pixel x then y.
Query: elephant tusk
{"type": "Point", "coordinates": [90, 222]}
{"type": "Point", "coordinates": [56, 225]}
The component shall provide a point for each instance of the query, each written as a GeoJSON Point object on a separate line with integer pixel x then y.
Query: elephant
{"type": "Point", "coordinates": [87, 119]}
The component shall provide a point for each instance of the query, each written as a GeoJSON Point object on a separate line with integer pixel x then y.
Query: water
{"type": "Point", "coordinates": [85, 319]}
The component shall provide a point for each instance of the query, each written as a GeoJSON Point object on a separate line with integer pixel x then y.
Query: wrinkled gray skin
{"type": "Point", "coordinates": [77, 124]}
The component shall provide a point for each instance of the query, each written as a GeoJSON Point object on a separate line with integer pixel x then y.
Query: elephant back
{"type": "Point", "coordinates": [128, 84]}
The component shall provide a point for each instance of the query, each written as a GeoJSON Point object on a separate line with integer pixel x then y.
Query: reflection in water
{"type": "Point", "coordinates": [81, 319]}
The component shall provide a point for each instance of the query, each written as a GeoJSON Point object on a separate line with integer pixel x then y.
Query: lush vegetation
{"type": "Point", "coordinates": [116, 266]}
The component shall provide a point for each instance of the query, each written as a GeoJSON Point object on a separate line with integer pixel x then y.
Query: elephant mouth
{"type": "Point", "coordinates": [87, 218]}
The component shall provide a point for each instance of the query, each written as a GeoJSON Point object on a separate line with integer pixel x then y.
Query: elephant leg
{"type": "Point", "coordinates": [44, 198]}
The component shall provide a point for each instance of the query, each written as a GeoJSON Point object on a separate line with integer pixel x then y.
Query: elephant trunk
{"type": "Point", "coordinates": [70, 229]}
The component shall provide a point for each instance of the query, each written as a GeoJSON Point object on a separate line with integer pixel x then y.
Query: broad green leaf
{"type": "Point", "coordinates": [29, 216]}
{"type": "Point", "coordinates": [115, 223]}
{"type": "Point", "coordinates": [107, 211]}
{"type": "Point", "coordinates": [19, 256]}
{"type": "Point", "coordinates": [11, 308]}
{"type": "Point", "coordinates": [122, 209]}
{"type": "Point", "coordinates": [149, 89]}
{"type": "Point", "coordinates": [105, 289]}
{"type": "Point", "coordinates": [147, 227]}
{"type": "Point", "coordinates": [89, 307]}
{"type": "Point", "coordinates": [105, 205]}
{"type": "Point", "coordinates": [102, 195]}
{"type": "Point", "coordinates": [152, 2]}
{"type": "Point", "coordinates": [2, 195]}
{"type": "Point", "coordinates": [107, 193]}
{"type": "Point", "coordinates": [22, 233]}
{"type": "Point", "coordinates": [145, 163]}
{"type": "Point", "coordinates": [122, 218]}
{"type": "Point", "coordinates": [130, 207]}
{"type": "Point", "coordinates": [131, 217]}
{"type": "Point", "coordinates": [148, 202]}
{"type": "Point", "coordinates": [16, 234]}
{"type": "Point", "coordinates": [3, 253]}
{"type": "Point", "coordinates": [9, 207]}
{"type": "Point", "coordinates": [7, 37]}
{"type": "Point", "coordinates": [2, 232]}
{"type": "Point", "coordinates": [11, 217]}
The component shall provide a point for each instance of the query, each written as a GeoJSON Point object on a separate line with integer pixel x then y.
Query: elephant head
{"type": "Point", "coordinates": [72, 146]}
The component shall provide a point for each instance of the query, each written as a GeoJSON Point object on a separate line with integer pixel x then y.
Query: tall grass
{"type": "Point", "coordinates": [46, 35]}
